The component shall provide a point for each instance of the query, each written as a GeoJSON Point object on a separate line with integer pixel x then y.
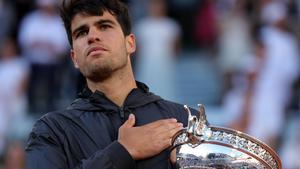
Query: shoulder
{"type": "Point", "coordinates": [175, 110]}
{"type": "Point", "coordinates": [51, 127]}
{"type": "Point", "coordinates": [58, 120]}
{"type": "Point", "coordinates": [50, 122]}
{"type": "Point", "coordinates": [170, 105]}
{"type": "Point", "coordinates": [45, 131]}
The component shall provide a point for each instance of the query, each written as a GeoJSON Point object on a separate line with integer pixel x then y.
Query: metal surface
{"type": "Point", "coordinates": [202, 146]}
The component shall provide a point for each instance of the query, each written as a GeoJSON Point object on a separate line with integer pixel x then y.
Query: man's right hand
{"type": "Point", "coordinates": [148, 140]}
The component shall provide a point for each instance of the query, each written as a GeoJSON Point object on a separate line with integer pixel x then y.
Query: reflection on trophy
{"type": "Point", "coordinates": [202, 146]}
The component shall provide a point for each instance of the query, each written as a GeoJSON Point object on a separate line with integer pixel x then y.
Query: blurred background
{"type": "Point", "coordinates": [240, 58]}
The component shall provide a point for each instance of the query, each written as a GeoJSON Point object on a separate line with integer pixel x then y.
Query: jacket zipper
{"type": "Point", "coordinates": [122, 113]}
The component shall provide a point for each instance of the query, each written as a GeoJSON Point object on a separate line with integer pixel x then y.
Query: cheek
{"type": "Point", "coordinates": [79, 45]}
{"type": "Point", "coordinates": [112, 37]}
{"type": "Point", "coordinates": [109, 38]}
{"type": "Point", "coordinates": [79, 58]}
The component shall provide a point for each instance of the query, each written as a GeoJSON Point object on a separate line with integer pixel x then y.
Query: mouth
{"type": "Point", "coordinates": [96, 50]}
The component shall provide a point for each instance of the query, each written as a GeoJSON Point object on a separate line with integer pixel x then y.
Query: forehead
{"type": "Point", "coordinates": [85, 19]}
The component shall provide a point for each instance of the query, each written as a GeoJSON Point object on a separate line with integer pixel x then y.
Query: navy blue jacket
{"type": "Point", "coordinates": [84, 135]}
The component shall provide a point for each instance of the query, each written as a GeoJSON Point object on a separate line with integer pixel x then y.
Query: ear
{"type": "Point", "coordinates": [130, 43]}
{"type": "Point", "coordinates": [74, 58]}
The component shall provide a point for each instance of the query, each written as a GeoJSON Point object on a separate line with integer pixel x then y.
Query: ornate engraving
{"type": "Point", "coordinates": [203, 146]}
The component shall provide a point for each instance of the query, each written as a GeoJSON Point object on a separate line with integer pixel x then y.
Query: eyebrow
{"type": "Point", "coordinates": [82, 27]}
{"type": "Point", "coordinates": [99, 22]}
{"type": "Point", "coordinates": [105, 21]}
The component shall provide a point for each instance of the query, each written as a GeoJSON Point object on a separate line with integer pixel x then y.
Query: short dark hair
{"type": "Point", "coordinates": [69, 8]}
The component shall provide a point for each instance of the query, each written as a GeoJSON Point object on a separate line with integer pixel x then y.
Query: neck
{"type": "Point", "coordinates": [116, 87]}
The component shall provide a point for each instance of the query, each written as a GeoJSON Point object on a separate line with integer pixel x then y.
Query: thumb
{"type": "Point", "coordinates": [130, 121]}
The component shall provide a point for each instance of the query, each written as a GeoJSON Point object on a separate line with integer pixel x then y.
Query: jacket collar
{"type": "Point", "coordinates": [97, 101]}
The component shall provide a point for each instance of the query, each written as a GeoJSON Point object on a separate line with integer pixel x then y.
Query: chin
{"type": "Point", "coordinates": [99, 73]}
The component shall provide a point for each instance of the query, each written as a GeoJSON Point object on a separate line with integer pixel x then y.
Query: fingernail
{"type": "Point", "coordinates": [131, 116]}
{"type": "Point", "coordinates": [173, 119]}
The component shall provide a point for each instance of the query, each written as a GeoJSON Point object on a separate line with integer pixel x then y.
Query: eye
{"type": "Point", "coordinates": [81, 33]}
{"type": "Point", "coordinates": [104, 27]}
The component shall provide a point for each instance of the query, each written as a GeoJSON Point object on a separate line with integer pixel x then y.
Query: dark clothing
{"type": "Point", "coordinates": [85, 134]}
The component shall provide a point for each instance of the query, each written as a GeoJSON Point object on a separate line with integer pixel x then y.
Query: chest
{"type": "Point", "coordinates": [94, 131]}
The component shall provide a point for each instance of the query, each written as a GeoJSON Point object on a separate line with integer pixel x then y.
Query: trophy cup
{"type": "Point", "coordinates": [202, 146]}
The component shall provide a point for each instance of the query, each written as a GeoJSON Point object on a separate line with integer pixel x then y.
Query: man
{"type": "Point", "coordinates": [115, 123]}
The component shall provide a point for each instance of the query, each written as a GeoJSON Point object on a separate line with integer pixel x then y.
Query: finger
{"type": "Point", "coordinates": [166, 142]}
{"type": "Point", "coordinates": [168, 127]}
{"type": "Point", "coordinates": [170, 133]}
{"type": "Point", "coordinates": [160, 123]}
{"type": "Point", "coordinates": [173, 156]}
{"type": "Point", "coordinates": [163, 132]}
{"type": "Point", "coordinates": [174, 131]}
{"type": "Point", "coordinates": [130, 121]}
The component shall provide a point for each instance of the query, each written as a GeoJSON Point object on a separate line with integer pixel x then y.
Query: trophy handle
{"type": "Point", "coordinates": [202, 115]}
{"type": "Point", "coordinates": [192, 121]}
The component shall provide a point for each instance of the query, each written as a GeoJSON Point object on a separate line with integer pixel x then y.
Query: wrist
{"type": "Point", "coordinates": [132, 151]}
{"type": "Point", "coordinates": [120, 156]}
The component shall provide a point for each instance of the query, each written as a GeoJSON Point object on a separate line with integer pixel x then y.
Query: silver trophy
{"type": "Point", "coordinates": [202, 146]}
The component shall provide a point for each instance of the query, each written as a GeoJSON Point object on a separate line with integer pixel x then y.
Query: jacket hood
{"type": "Point", "coordinates": [97, 101]}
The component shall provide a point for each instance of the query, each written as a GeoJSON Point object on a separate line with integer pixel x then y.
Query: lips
{"type": "Point", "coordinates": [96, 49]}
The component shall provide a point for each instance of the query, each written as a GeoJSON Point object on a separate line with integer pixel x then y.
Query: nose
{"type": "Point", "coordinates": [93, 35]}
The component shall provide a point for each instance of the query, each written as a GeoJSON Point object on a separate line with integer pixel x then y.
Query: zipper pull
{"type": "Point", "coordinates": [122, 113]}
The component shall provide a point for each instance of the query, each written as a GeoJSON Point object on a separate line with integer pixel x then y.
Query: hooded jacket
{"type": "Point", "coordinates": [84, 136]}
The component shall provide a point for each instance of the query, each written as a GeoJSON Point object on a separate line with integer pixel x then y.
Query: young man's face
{"type": "Point", "coordinates": [99, 46]}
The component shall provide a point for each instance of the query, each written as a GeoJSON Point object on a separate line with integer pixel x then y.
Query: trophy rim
{"type": "Point", "coordinates": [250, 138]}
{"type": "Point", "coordinates": [242, 135]}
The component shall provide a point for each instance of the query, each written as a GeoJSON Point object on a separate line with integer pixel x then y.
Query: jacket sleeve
{"type": "Point", "coordinates": [45, 151]}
